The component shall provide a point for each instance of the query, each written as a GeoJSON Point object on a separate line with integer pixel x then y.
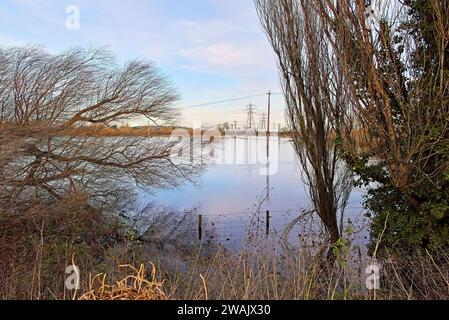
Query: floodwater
{"type": "Point", "coordinates": [232, 190]}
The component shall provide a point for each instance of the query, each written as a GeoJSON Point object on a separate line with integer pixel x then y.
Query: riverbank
{"type": "Point", "coordinates": [39, 247]}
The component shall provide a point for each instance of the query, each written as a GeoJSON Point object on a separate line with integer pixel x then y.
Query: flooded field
{"type": "Point", "coordinates": [236, 193]}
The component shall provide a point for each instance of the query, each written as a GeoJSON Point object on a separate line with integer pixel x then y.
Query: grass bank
{"type": "Point", "coordinates": [39, 240]}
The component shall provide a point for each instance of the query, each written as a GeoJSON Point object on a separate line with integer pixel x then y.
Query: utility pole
{"type": "Point", "coordinates": [269, 112]}
{"type": "Point", "coordinates": [268, 156]}
{"type": "Point", "coordinates": [250, 110]}
{"type": "Point", "coordinates": [235, 125]}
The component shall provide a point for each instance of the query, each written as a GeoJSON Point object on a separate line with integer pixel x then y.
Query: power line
{"type": "Point", "coordinates": [223, 101]}
{"type": "Point", "coordinates": [229, 100]}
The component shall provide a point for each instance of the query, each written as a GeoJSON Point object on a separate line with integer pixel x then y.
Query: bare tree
{"type": "Point", "coordinates": [397, 84]}
{"type": "Point", "coordinates": [45, 97]}
{"type": "Point", "coordinates": [315, 93]}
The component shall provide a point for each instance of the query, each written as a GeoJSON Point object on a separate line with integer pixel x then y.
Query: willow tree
{"type": "Point", "coordinates": [315, 94]}
{"type": "Point", "coordinates": [46, 98]}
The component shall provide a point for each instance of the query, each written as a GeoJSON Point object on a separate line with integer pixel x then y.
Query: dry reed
{"type": "Point", "coordinates": [132, 287]}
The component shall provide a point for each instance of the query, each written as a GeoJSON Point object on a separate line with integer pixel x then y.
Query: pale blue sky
{"type": "Point", "coordinates": [211, 49]}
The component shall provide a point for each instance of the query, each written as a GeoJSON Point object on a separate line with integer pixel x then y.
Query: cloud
{"type": "Point", "coordinates": [218, 55]}
{"type": "Point", "coordinates": [231, 45]}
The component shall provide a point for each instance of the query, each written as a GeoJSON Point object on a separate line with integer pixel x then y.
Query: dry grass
{"type": "Point", "coordinates": [244, 276]}
{"type": "Point", "coordinates": [38, 239]}
{"type": "Point", "coordinates": [132, 287]}
{"type": "Point", "coordinates": [37, 245]}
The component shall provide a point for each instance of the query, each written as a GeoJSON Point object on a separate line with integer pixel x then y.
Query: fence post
{"type": "Point", "coordinates": [267, 223]}
{"type": "Point", "coordinates": [200, 228]}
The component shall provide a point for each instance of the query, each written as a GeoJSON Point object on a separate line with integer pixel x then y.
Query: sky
{"type": "Point", "coordinates": [212, 50]}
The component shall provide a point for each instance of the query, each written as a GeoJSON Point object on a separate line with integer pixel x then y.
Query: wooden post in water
{"type": "Point", "coordinates": [200, 227]}
{"type": "Point", "coordinates": [267, 223]}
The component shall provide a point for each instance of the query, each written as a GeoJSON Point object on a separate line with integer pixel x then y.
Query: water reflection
{"type": "Point", "coordinates": [229, 192]}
